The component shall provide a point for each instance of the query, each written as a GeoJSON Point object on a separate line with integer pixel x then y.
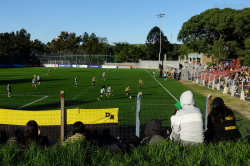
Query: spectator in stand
{"type": "Point", "coordinates": [226, 66]}
{"type": "Point", "coordinates": [222, 68]}
{"type": "Point", "coordinates": [78, 133]}
{"type": "Point", "coordinates": [32, 134]}
{"type": "Point", "coordinates": [220, 65]}
{"type": "Point", "coordinates": [189, 121]}
{"type": "Point", "coordinates": [231, 79]}
{"type": "Point", "coordinates": [221, 123]}
{"type": "Point", "coordinates": [240, 79]}
{"type": "Point", "coordinates": [247, 78]}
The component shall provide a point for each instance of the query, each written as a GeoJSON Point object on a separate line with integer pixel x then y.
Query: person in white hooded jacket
{"type": "Point", "coordinates": [189, 121]}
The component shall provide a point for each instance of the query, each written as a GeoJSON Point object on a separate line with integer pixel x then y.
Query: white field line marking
{"type": "Point", "coordinates": [157, 104]}
{"type": "Point", "coordinates": [13, 94]}
{"type": "Point", "coordinates": [32, 102]}
{"type": "Point", "coordinates": [162, 86]}
{"type": "Point", "coordinates": [80, 93]}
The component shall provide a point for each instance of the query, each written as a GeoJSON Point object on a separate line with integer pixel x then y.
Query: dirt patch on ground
{"type": "Point", "coordinates": [239, 106]}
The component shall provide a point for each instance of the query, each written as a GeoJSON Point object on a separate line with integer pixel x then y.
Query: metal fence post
{"type": "Point", "coordinates": [138, 107]}
{"type": "Point", "coordinates": [209, 80]}
{"type": "Point", "coordinates": [62, 116]}
{"type": "Point", "coordinates": [213, 82]}
{"type": "Point", "coordinates": [242, 94]}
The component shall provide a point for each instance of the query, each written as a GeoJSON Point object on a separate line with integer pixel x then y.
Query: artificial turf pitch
{"type": "Point", "coordinates": [157, 101]}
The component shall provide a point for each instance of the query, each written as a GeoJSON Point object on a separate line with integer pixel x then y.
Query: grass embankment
{"type": "Point", "coordinates": [155, 98]}
{"type": "Point", "coordinates": [239, 106]}
{"type": "Point", "coordinates": [167, 153]}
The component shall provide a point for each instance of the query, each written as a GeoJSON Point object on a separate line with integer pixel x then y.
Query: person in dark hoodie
{"type": "Point", "coordinates": [221, 123]}
{"type": "Point", "coordinates": [153, 132]}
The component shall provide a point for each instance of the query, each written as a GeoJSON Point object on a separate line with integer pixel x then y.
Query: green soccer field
{"type": "Point", "coordinates": [158, 98]}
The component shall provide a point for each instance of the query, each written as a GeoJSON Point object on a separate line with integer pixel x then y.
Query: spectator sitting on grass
{"type": "Point", "coordinates": [221, 123]}
{"type": "Point", "coordinates": [15, 139]}
{"type": "Point", "coordinates": [153, 132]}
{"type": "Point", "coordinates": [78, 133]}
{"type": "Point", "coordinates": [188, 121]}
{"type": "Point", "coordinates": [32, 134]}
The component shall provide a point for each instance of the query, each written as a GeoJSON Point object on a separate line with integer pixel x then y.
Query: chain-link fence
{"type": "Point", "coordinates": [77, 59]}
{"type": "Point", "coordinates": [16, 113]}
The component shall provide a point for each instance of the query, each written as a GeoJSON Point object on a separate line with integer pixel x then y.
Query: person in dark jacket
{"type": "Point", "coordinates": [153, 132]}
{"type": "Point", "coordinates": [221, 123]}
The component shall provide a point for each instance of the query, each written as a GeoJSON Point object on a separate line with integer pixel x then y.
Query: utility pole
{"type": "Point", "coordinates": [171, 37]}
{"type": "Point", "coordinates": [160, 16]}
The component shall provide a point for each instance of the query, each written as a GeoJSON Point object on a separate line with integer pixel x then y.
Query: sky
{"type": "Point", "coordinates": [117, 20]}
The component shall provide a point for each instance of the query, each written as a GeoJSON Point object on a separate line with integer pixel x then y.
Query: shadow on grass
{"type": "Point", "coordinates": [151, 87]}
{"type": "Point", "coordinates": [149, 94]}
{"type": "Point", "coordinates": [127, 113]}
{"type": "Point", "coordinates": [57, 105]}
{"type": "Point", "coordinates": [122, 120]}
{"type": "Point", "coordinates": [116, 79]}
{"type": "Point", "coordinates": [241, 125]}
{"type": "Point", "coordinates": [5, 82]}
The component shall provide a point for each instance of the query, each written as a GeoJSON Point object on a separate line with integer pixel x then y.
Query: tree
{"type": "Point", "coordinates": [242, 24]}
{"type": "Point", "coordinates": [121, 50]}
{"type": "Point", "coordinates": [218, 52]}
{"type": "Point", "coordinates": [66, 43]}
{"type": "Point", "coordinates": [206, 32]}
{"type": "Point", "coordinates": [183, 51]}
{"type": "Point", "coordinates": [15, 47]}
{"type": "Point", "coordinates": [73, 42]}
{"type": "Point", "coordinates": [22, 42]}
{"type": "Point", "coordinates": [104, 45]}
{"type": "Point", "coordinates": [209, 26]}
{"type": "Point", "coordinates": [245, 53]}
{"type": "Point", "coordinates": [173, 53]}
{"type": "Point", "coordinates": [4, 44]}
{"type": "Point", "coordinates": [85, 38]}
{"type": "Point", "coordinates": [126, 52]}
{"type": "Point", "coordinates": [37, 47]}
{"type": "Point", "coordinates": [153, 43]}
{"type": "Point", "coordinates": [92, 45]}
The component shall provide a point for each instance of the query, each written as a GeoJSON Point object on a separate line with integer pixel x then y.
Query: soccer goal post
{"type": "Point", "coordinates": [138, 107]}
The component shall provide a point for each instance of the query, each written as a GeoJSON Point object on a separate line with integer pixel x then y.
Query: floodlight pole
{"type": "Point", "coordinates": [160, 16]}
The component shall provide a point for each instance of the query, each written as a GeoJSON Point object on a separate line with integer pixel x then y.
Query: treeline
{"type": "Point", "coordinates": [18, 48]}
{"type": "Point", "coordinates": [219, 33]}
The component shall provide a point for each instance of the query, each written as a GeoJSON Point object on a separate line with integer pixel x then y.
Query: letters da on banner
{"type": "Point", "coordinates": [109, 115]}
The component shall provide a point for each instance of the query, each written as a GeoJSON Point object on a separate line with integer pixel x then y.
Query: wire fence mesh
{"type": "Point", "coordinates": [123, 130]}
